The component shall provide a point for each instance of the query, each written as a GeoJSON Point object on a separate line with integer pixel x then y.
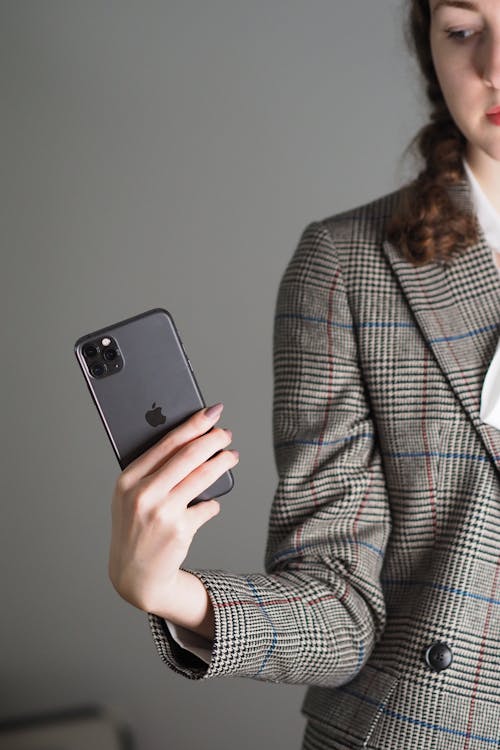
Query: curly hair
{"type": "Point", "coordinates": [427, 225]}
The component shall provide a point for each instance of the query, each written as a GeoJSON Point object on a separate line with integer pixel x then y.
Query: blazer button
{"type": "Point", "coordinates": [438, 656]}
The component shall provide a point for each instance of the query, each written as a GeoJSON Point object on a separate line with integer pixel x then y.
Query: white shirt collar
{"type": "Point", "coordinates": [489, 219]}
{"type": "Point", "coordinates": [487, 215]}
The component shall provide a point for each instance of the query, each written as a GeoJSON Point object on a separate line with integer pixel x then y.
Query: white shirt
{"type": "Point", "coordinates": [191, 641]}
{"type": "Point", "coordinates": [487, 215]}
{"type": "Point", "coordinates": [489, 219]}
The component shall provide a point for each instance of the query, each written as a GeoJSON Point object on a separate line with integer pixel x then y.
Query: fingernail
{"type": "Point", "coordinates": [235, 453]}
{"type": "Point", "coordinates": [214, 411]}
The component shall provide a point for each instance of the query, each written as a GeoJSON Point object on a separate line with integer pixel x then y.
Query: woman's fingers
{"type": "Point", "coordinates": [202, 512]}
{"type": "Point", "coordinates": [149, 461]}
{"type": "Point", "coordinates": [202, 477]}
{"type": "Point", "coordinates": [189, 457]}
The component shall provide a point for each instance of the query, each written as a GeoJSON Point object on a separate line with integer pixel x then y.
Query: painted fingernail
{"type": "Point", "coordinates": [214, 411]}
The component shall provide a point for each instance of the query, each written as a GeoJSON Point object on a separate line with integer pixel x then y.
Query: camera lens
{"type": "Point", "coordinates": [109, 353]}
{"type": "Point", "coordinates": [98, 369]}
{"type": "Point", "coordinates": [90, 351]}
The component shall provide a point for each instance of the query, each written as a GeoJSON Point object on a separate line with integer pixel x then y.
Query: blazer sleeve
{"type": "Point", "coordinates": [316, 613]}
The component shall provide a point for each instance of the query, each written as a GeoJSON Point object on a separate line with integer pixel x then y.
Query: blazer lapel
{"type": "Point", "coordinates": [456, 305]}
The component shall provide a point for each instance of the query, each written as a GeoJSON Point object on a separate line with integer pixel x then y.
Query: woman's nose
{"type": "Point", "coordinates": [490, 62]}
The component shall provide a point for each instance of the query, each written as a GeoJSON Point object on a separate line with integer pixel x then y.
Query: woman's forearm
{"type": "Point", "coordinates": [189, 605]}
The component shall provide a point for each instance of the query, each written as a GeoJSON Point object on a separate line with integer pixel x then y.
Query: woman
{"type": "Point", "coordinates": [382, 583]}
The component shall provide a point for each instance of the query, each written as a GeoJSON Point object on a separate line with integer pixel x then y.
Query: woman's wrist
{"type": "Point", "coordinates": [189, 605]}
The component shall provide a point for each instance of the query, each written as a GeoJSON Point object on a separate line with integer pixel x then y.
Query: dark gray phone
{"type": "Point", "coordinates": [143, 385]}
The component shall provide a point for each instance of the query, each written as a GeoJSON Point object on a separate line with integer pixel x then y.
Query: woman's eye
{"type": "Point", "coordinates": [457, 34]}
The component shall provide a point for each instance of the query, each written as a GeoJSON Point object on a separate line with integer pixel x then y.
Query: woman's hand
{"type": "Point", "coordinates": [152, 527]}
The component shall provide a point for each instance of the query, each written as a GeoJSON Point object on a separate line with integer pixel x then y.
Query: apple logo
{"type": "Point", "coordinates": [154, 417]}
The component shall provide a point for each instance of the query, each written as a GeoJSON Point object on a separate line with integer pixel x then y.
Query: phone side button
{"type": "Point", "coordinates": [190, 365]}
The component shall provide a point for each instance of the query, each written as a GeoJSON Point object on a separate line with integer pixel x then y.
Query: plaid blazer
{"type": "Point", "coordinates": [382, 583]}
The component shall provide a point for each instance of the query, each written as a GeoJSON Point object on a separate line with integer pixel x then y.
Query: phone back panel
{"type": "Point", "coordinates": [155, 378]}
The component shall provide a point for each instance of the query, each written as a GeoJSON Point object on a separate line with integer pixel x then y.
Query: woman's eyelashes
{"type": "Point", "coordinates": [456, 34]}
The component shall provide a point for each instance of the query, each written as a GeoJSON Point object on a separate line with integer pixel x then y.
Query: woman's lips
{"type": "Point", "coordinates": [493, 114]}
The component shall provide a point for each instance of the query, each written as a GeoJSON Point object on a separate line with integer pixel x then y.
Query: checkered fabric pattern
{"type": "Point", "coordinates": [384, 531]}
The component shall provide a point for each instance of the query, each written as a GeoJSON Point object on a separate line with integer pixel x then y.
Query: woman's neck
{"type": "Point", "coordinates": [487, 172]}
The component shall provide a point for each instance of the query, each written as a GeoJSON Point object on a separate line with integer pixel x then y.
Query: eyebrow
{"type": "Point", "coordinates": [465, 4]}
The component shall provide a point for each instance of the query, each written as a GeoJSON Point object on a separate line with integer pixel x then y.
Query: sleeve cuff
{"type": "Point", "coordinates": [191, 641]}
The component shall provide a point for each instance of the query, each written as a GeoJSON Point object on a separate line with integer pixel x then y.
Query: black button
{"type": "Point", "coordinates": [438, 656]}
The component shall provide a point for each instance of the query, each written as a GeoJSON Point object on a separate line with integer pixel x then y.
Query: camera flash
{"type": "Point", "coordinates": [106, 341]}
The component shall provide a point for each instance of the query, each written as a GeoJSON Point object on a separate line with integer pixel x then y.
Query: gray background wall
{"type": "Point", "coordinates": [163, 154]}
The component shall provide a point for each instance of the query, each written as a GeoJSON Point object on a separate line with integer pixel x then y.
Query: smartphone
{"type": "Point", "coordinates": [143, 385]}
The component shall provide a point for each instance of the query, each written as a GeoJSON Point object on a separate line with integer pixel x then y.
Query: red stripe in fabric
{"type": "Point", "coordinates": [267, 602]}
{"type": "Point", "coordinates": [358, 515]}
{"type": "Point", "coordinates": [298, 533]}
{"type": "Point", "coordinates": [432, 495]}
{"type": "Point", "coordinates": [326, 417]}
{"type": "Point", "coordinates": [330, 376]}
{"type": "Point", "coordinates": [480, 659]}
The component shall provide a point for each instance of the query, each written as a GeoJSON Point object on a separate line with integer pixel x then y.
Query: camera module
{"type": "Point", "coordinates": [90, 351]}
{"type": "Point", "coordinates": [109, 353]}
{"type": "Point", "coordinates": [102, 356]}
{"type": "Point", "coordinates": [98, 369]}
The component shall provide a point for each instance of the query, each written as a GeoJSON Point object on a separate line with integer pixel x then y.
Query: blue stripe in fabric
{"type": "Point", "coordinates": [389, 324]}
{"type": "Point", "coordinates": [293, 551]}
{"type": "Point", "coordinates": [275, 634]}
{"type": "Point", "coordinates": [366, 544]}
{"type": "Point", "coordinates": [360, 655]}
{"type": "Point", "coordinates": [442, 587]}
{"type": "Point", "coordinates": [314, 320]}
{"type": "Point", "coordinates": [384, 324]}
{"type": "Point", "coordinates": [285, 443]}
{"type": "Point", "coordinates": [420, 722]}
{"type": "Point", "coordinates": [420, 454]}
{"type": "Point", "coordinates": [390, 454]}
{"type": "Point", "coordinates": [490, 327]}
{"type": "Point", "coordinates": [350, 326]}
